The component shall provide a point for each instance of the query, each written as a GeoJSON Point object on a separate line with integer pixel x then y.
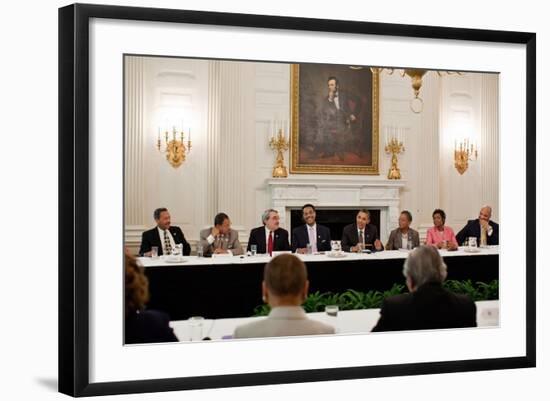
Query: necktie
{"type": "Point", "coordinates": [483, 239]}
{"type": "Point", "coordinates": [312, 240]}
{"type": "Point", "coordinates": [361, 239]}
{"type": "Point", "coordinates": [167, 245]}
{"type": "Point", "coordinates": [270, 243]}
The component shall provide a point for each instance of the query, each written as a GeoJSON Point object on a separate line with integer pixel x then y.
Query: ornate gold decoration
{"type": "Point", "coordinates": [296, 167]}
{"type": "Point", "coordinates": [279, 143]}
{"type": "Point", "coordinates": [175, 149]}
{"type": "Point", "coordinates": [464, 152]}
{"type": "Point", "coordinates": [394, 147]}
{"type": "Point", "coordinates": [416, 74]}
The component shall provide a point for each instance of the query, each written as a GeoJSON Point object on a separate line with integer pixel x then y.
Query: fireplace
{"type": "Point", "coordinates": [337, 200]}
{"type": "Point", "coordinates": [334, 219]}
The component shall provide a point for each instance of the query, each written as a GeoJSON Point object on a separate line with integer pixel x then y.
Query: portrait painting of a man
{"type": "Point", "coordinates": [334, 119]}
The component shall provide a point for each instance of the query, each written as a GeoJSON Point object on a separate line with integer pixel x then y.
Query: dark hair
{"type": "Point", "coordinates": [220, 218]}
{"type": "Point", "coordinates": [335, 79]}
{"type": "Point", "coordinates": [136, 285]}
{"type": "Point", "coordinates": [441, 213]}
{"type": "Point", "coordinates": [408, 214]}
{"type": "Point", "coordinates": [285, 275]}
{"type": "Point", "coordinates": [364, 211]}
{"type": "Point", "coordinates": [157, 212]}
{"type": "Point", "coordinates": [308, 205]}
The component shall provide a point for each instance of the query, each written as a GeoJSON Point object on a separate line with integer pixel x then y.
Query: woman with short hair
{"type": "Point", "coordinates": [440, 235]}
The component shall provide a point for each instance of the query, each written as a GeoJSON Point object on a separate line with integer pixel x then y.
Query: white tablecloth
{"type": "Point", "coordinates": [347, 322]}
{"type": "Point", "coordinates": [231, 260]}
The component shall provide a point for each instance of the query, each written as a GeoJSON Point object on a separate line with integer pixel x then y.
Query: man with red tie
{"type": "Point", "coordinates": [270, 237]}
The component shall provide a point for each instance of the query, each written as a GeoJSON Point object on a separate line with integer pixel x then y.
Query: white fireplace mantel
{"type": "Point", "coordinates": [338, 192]}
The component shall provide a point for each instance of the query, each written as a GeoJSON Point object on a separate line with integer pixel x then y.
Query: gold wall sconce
{"type": "Point", "coordinates": [393, 146]}
{"type": "Point", "coordinates": [175, 149]}
{"type": "Point", "coordinates": [464, 153]}
{"type": "Point", "coordinates": [279, 143]}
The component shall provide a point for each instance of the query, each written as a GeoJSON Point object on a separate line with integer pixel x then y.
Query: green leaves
{"type": "Point", "coordinates": [353, 299]}
{"type": "Point", "coordinates": [479, 291]}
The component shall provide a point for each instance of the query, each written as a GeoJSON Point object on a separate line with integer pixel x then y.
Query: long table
{"type": "Point", "coordinates": [347, 322]}
{"type": "Point", "coordinates": [230, 286]}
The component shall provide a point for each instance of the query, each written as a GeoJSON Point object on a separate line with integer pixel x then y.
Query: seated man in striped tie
{"type": "Point", "coordinates": [164, 236]}
{"type": "Point", "coordinates": [270, 237]}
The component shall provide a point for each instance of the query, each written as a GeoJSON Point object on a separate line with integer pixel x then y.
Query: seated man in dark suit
{"type": "Point", "coordinates": [269, 237]}
{"type": "Point", "coordinates": [361, 235]}
{"type": "Point", "coordinates": [485, 230]}
{"type": "Point", "coordinates": [428, 305]}
{"type": "Point", "coordinates": [163, 236]}
{"type": "Point", "coordinates": [310, 233]}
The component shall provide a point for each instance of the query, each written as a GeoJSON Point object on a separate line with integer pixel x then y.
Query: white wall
{"type": "Point", "coordinates": [229, 107]}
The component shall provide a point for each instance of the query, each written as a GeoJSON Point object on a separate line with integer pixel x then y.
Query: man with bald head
{"type": "Point", "coordinates": [482, 228]}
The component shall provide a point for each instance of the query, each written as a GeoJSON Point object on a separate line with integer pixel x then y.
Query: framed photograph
{"type": "Point", "coordinates": [334, 119]}
{"type": "Point", "coordinates": [101, 46]}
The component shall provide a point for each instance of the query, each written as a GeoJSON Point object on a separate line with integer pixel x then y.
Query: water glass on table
{"type": "Point", "coordinates": [154, 252]}
{"type": "Point", "coordinates": [200, 251]}
{"type": "Point", "coordinates": [309, 249]}
{"type": "Point", "coordinates": [253, 250]}
{"type": "Point", "coordinates": [195, 328]}
{"type": "Point", "coordinates": [332, 311]}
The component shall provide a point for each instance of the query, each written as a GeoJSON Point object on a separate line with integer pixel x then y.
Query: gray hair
{"type": "Point", "coordinates": [425, 265]}
{"type": "Point", "coordinates": [265, 214]}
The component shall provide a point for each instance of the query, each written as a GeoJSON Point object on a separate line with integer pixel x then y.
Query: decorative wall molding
{"type": "Point", "coordinates": [133, 141]}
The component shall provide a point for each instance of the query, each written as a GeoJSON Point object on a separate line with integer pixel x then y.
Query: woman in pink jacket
{"type": "Point", "coordinates": [440, 235]}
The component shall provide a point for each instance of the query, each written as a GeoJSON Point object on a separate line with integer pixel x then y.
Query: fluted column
{"type": "Point", "coordinates": [133, 146]}
{"type": "Point", "coordinates": [489, 152]}
{"type": "Point", "coordinates": [213, 137]}
{"type": "Point", "coordinates": [427, 180]}
{"type": "Point", "coordinates": [234, 116]}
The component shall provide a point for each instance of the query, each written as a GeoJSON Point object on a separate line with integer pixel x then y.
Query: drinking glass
{"type": "Point", "coordinates": [195, 328]}
{"type": "Point", "coordinates": [200, 251]}
{"type": "Point", "coordinates": [332, 311]}
{"type": "Point", "coordinates": [472, 242]}
{"type": "Point", "coordinates": [154, 252]}
{"type": "Point", "coordinates": [309, 249]}
{"type": "Point", "coordinates": [253, 249]}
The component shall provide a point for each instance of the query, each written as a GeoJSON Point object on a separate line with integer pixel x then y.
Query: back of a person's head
{"type": "Point", "coordinates": [285, 275]}
{"type": "Point", "coordinates": [424, 265]}
{"type": "Point", "coordinates": [136, 285]}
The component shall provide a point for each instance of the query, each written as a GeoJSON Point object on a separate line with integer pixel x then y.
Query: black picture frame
{"type": "Point", "coordinates": [74, 197]}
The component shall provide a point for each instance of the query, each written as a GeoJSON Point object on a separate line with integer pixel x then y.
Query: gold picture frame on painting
{"type": "Point", "coordinates": [335, 119]}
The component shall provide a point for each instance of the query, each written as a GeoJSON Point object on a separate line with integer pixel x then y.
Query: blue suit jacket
{"type": "Point", "coordinates": [300, 238]}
